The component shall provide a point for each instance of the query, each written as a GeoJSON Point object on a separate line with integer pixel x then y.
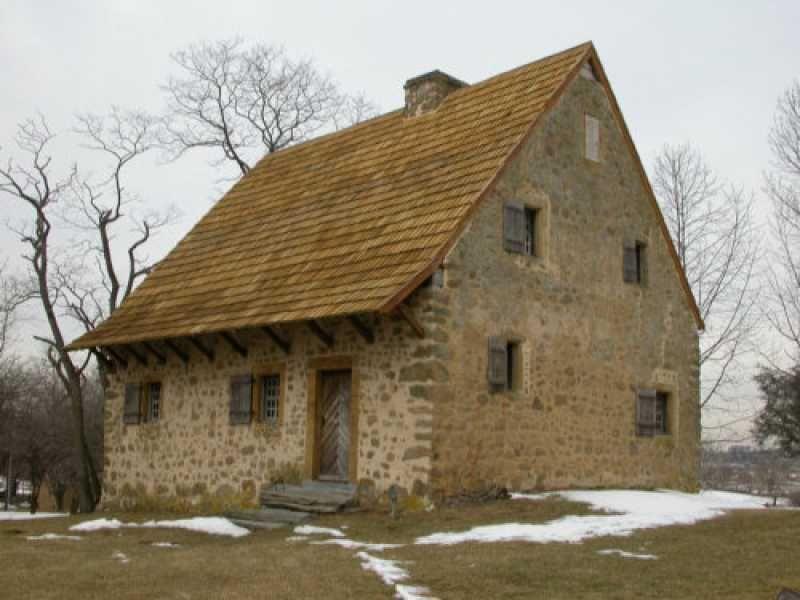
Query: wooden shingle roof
{"type": "Point", "coordinates": [347, 223]}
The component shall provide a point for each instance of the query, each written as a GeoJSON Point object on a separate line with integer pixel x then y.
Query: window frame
{"type": "Point", "coordinates": [260, 374]}
{"type": "Point", "coordinates": [592, 129]}
{"type": "Point", "coordinates": [636, 251]}
{"type": "Point", "coordinates": [661, 410]}
{"type": "Point", "coordinates": [236, 417]}
{"type": "Point", "coordinates": [143, 402]}
{"type": "Point", "coordinates": [529, 239]}
{"type": "Point", "coordinates": [510, 377]}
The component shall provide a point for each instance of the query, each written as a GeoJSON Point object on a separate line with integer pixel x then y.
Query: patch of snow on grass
{"type": "Point", "coordinates": [53, 536]}
{"type": "Point", "coordinates": [297, 538]}
{"type": "Point", "coordinates": [98, 524]}
{"type": "Point", "coordinates": [624, 554]}
{"type": "Point", "coordinates": [120, 557]}
{"type": "Point", "coordinates": [312, 530]}
{"type": "Point", "coordinates": [25, 516]}
{"type": "Point", "coordinates": [391, 573]}
{"type": "Point", "coordinates": [210, 525]}
{"type": "Point", "coordinates": [166, 545]}
{"type": "Point", "coordinates": [354, 545]}
{"type": "Point", "coordinates": [632, 510]}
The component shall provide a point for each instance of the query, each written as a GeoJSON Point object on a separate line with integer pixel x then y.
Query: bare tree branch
{"type": "Point", "coordinates": [713, 228]}
{"type": "Point", "coordinates": [244, 102]}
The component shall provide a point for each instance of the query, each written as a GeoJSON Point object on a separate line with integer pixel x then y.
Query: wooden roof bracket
{"type": "Point", "coordinates": [116, 356]}
{"type": "Point", "coordinates": [235, 344]}
{"type": "Point", "coordinates": [323, 335]}
{"type": "Point", "coordinates": [184, 356]}
{"type": "Point", "coordinates": [103, 360]}
{"type": "Point", "coordinates": [160, 357]}
{"type": "Point", "coordinates": [140, 358]}
{"type": "Point", "coordinates": [408, 315]}
{"type": "Point", "coordinates": [282, 343]}
{"type": "Point", "coordinates": [364, 330]}
{"type": "Point", "coordinates": [207, 352]}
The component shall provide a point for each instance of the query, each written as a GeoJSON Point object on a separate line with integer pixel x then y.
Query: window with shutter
{"type": "Point", "coordinates": [646, 413]}
{"type": "Point", "coordinates": [132, 411]}
{"type": "Point", "coordinates": [514, 228]}
{"type": "Point", "coordinates": [592, 126]}
{"type": "Point", "coordinates": [241, 406]}
{"type": "Point", "coordinates": [498, 363]}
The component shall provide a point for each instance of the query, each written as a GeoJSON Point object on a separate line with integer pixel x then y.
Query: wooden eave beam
{"type": "Point", "coordinates": [323, 335]}
{"type": "Point", "coordinates": [103, 359]}
{"type": "Point", "coordinates": [160, 356]}
{"type": "Point", "coordinates": [116, 356]}
{"type": "Point", "coordinates": [201, 347]}
{"type": "Point", "coordinates": [140, 358]}
{"type": "Point", "coordinates": [279, 340]}
{"type": "Point", "coordinates": [235, 344]}
{"type": "Point", "coordinates": [183, 355]}
{"type": "Point", "coordinates": [364, 330]}
{"type": "Point", "coordinates": [408, 315]}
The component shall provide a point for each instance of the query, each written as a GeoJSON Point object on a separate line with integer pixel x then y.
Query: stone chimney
{"type": "Point", "coordinates": [425, 93]}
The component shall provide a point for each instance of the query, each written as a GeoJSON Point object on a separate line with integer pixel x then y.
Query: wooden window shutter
{"type": "Point", "coordinates": [630, 267]}
{"type": "Point", "coordinates": [498, 363]}
{"type": "Point", "coordinates": [132, 413]}
{"type": "Point", "coordinates": [241, 407]}
{"type": "Point", "coordinates": [646, 412]}
{"type": "Point", "coordinates": [514, 227]}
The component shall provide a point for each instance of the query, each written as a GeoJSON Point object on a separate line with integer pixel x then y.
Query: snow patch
{"type": "Point", "coordinates": [120, 557]}
{"type": "Point", "coordinates": [166, 545]}
{"type": "Point", "coordinates": [98, 524]}
{"type": "Point", "coordinates": [210, 525]}
{"type": "Point", "coordinates": [631, 511]}
{"type": "Point", "coordinates": [53, 536]}
{"type": "Point", "coordinates": [297, 538]}
{"type": "Point", "coordinates": [354, 545]}
{"type": "Point", "coordinates": [8, 515]}
{"type": "Point", "coordinates": [312, 530]}
{"type": "Point", "coordinates": [391, 573]}
{"type": "Point", "coordinates": [624, 554]}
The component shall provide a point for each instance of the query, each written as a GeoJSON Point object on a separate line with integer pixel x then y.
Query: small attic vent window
{"type": "Point", "coordinates": [587, 71]}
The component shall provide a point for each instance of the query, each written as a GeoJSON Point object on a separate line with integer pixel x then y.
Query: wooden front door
{"type": "Point", "coordinates": [334, 426]}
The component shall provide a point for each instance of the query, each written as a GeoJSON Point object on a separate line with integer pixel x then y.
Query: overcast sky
{"type": "Point", "coordinates": [705, 72]}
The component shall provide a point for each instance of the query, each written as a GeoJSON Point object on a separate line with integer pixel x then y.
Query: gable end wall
{"type": "Point", "coordinates": [588, 339]}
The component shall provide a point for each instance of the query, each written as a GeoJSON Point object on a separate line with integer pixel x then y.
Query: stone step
{"type": "Point", "coordinates": [270, 515]}
{"type": "Point", "coordinates": [311, 496]}
{"type": "Point", "coordinates": [253, 525]}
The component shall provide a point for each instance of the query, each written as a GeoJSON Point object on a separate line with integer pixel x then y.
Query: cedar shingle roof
{"type": "Point", "coordinates": [347, 223]}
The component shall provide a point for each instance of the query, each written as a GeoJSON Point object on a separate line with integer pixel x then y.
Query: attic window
{"type": "Point", "coordinates": [592, 127]}
{"type": "Point", "coordinates": [634, 263]}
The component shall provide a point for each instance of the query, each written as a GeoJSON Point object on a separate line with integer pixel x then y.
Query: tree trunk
{"type": "Point", "coordinates": [88, 482]}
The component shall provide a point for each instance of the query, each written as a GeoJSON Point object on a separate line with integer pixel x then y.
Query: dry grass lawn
{"type": "Point", "coordinates": [743, 555]}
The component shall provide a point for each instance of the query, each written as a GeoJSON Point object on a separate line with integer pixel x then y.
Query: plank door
{"type": "Point", "coordinates": [334, 446]}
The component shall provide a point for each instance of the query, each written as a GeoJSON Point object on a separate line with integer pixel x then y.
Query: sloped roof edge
{"type": "Point", "coordinates": [591, 55]}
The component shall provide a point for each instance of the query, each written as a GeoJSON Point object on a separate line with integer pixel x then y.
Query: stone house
{"type": "Point", "coordinates": [476, 288]}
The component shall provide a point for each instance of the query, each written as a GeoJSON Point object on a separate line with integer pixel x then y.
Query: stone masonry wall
{"type": "Point", "coordinates": [193, 457]}
{"type": "Point", "coordinates": [588, 340]}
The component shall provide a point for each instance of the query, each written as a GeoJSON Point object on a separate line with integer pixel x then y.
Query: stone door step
{"type": "Point", "coordinates": [253, 525]}
{"type": "Point", "coordinates": [311, 496]}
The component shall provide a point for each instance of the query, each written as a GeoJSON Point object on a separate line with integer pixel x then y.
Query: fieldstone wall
{"type": "Point", "coordinates": [588, 340]}
{"type": "Point", "coordinates": [193, 458]}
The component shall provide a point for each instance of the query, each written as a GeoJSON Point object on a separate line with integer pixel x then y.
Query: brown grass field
{"type": "Point", "coordinates": [747, 554]}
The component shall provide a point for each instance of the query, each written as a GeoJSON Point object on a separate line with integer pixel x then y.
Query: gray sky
{"type": "Point", "coordinates": [704, 72]}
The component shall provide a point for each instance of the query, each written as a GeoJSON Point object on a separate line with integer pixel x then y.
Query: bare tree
{"type": "Point", "coordinates": [243, 102]}
{"type": "Point", "coordinates": [58, 283]}
{"type": "Point", "coordinates": [713, 228]}
{"type": "Point", "coordinates": [783, 188]}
